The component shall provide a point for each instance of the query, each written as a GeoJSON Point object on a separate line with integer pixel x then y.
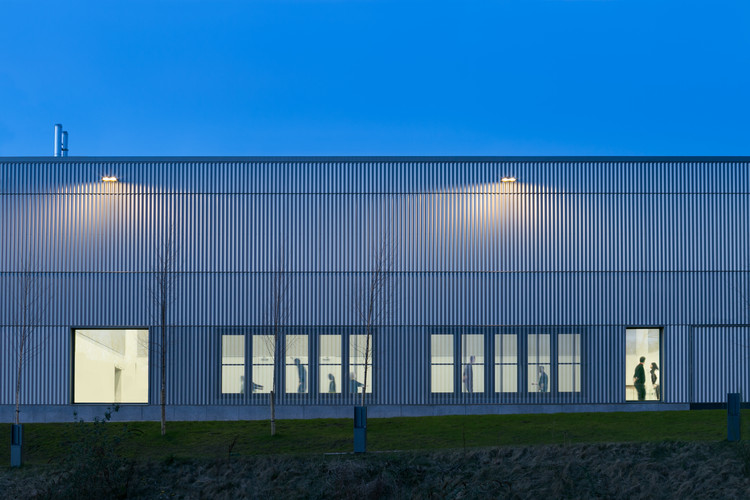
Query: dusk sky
{"type": "Point", "coordinates": [283, 77]}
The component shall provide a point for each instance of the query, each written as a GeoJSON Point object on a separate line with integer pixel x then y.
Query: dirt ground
{"type": "Point", "coordinates": [651, 470]}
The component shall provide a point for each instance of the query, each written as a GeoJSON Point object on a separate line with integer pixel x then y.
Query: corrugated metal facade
{"type": "Point", "coordinates": [585, 246]}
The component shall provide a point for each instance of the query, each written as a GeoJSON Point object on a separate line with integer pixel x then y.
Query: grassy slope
{"type": "Point", "coordinates": [46, 443]}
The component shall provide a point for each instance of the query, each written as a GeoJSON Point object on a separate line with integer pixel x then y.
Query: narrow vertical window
{"type": "Point", "coordinates": [330, 364]}
{"type": "Point", "coordinates": [472, 363]}
{"type": "Point", "coordinates": [539, 376]}
{"type": "Point", "coordinates": [110, 366]}
{"type": "Point", "coordinates": [232, 364]}
{"type": "Point", "coordinates": [569, 362]}
{"type": "Point", "coordinates": [263, 361]}
{"type": "Point", "coordinates": [643, 364]}
{"type": "Point", "coordinates": [441, 363]}
{"type": "Point", "coordinates": [506, 363]}
{"type": "Point", "coordinates": [297, 364]}
{"type": "Point", "coordinates": [358, 351]}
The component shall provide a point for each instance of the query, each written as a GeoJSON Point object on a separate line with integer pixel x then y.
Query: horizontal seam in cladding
{"type": "Point", "coordinates": [392, 193]}
{"type": "Point", "coordinates": [646, 271]}
{"type": "Point", "coordinates": [548, 326]}
{"type": "Point", "coordinates": [260, 160]}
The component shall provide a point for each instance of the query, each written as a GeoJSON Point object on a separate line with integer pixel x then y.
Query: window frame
{"type": "Point", "coordinates": [552, 363]}
{"type": "Point", "coordinates": [347, 366]}
{"type": "Point", "coordinates": [430, 364]}
{"type": "Point", "coordinates": [491, 394]}
{"type": "Point", "coordinates": [661, 363]}
{"type": "Point", "coordinates": [572, 364]}
{"type": "Point", "coordinates": [314, 335]}
{"type": "Point", "coordinates": [232, 395]}
{"type": "Point", "coordinates": [72, 355]}
{"type": "Point", "coordinates": [519, 341]}
{"type": "Point", "coordinates": [457, 334]}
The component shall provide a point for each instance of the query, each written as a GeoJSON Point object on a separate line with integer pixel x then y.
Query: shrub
{"type": "Point", "coordinates": [95, 468]}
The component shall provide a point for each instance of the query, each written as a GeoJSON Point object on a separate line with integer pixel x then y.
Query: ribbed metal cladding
{"type": "Point", "coordinates": [590, 246]}
{"type": "Point", "coordinates": [719, 363]}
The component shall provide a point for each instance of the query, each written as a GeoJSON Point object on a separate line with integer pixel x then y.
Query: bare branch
{"type": "Point", "coordinates": [277, 316]}
{"type": "Point", "coordinates": [373, 305]}
{"type": "Point", "coordinates": [162, 294]}
{"type": "Point", "coordinates": [33, 297]}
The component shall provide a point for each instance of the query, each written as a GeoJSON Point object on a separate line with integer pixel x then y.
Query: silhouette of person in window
{"type": "Point", "coordinates": [639, 380]}
{"type": "Point", "coordinates": [302, 374]}
{"type": "Point", "coordinates": [543, 380]}
{"type": "Point", "coordinates": [354, 385]}
{"type": "Point", "coordinates": [654, 379]}
{"type": "Point", "coordinates": [331, 383]}
{"type": "Point", "coordinates": [468, 377]}
{"type": "Point", "coordinates": [254, 387]}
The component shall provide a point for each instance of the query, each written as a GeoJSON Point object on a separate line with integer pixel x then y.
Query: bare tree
{"type": "Point", "coordinates": [277, 317]}
{"type": "Point", "coordinates": [162, 294]}
{"type": "Point", "coordinates": [375, 301]}
{"type": "Point", "coordinates": [32, 301]}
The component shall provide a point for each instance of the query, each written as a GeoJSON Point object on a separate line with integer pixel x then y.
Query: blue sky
{"type": "Point", "coordinates": [283, 77]}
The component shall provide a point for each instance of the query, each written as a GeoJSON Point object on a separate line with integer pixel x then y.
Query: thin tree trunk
{"type": "Point", "coordinates": [367, 355]}
{"type": "Point", "coordinates": [164, 372]}
{"type": "Point", "coordinates": [32, 303]}
{"type": "Point", "coordinates": [18, 383]}
{"type": "Point", "coordinates": [273, 414]}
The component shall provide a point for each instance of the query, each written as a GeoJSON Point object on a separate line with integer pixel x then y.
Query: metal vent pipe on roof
{"type": "Point", "coordinates": [64, 149]}
{"type": "Point", "coordinates": [58, 139]}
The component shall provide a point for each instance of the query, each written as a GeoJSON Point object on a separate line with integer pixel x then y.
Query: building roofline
{"type": "Point", "coordinates": [378, 159]}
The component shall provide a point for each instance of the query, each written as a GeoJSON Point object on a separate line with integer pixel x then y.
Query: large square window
{"type": "Point", "coordinates": [110, 366]}
{"type": "Point", "coordinates": [642, 364]}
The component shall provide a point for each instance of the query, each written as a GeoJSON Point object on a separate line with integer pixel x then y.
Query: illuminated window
{"type": "Point", "coordinates": [569, 362]}
{"type": "Point", "coordinates": [110, 366]}
{"type": "Point", "coordinates": [330, 364]}
{"type": "Point", "coordinates": [506, 363]}
{"type": "Point", "coordinates": [642, 364]}
{"type": "Point", "coordinates": [441, 363]}
{"type": "Point", "coordinates": [263, 356]}
{"type": "Point", "coordinates": [360, 351]}
{"type": "Point", "coordinates": [297, 364]}
{"type": "Point", "coordinates": [539, 373]}
{"type": "Point", "coordinates": [472, 363]}
{"type": "Point", "coordinates": [232, 364]}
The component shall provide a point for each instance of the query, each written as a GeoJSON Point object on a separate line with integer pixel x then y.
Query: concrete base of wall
{"type": "Point", "coordinates": [130, 413]}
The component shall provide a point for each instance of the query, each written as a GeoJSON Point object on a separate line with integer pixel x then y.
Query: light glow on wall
{"type": "Point", "coordinates": [109, 178]}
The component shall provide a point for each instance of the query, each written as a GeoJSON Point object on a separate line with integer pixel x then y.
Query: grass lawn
{"type": "Point", "coordinates": [46, 443]}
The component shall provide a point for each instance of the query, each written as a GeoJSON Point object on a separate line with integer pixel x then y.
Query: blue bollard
{"type": "Point", "coordinates": [360, 429]}
{"type": "Point", "coordinates": [16, 442]}
{"type": "Point", "coordinates": [733, 416]}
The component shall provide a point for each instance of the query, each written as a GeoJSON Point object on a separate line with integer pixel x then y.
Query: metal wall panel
{"type": "Point", "coordinates": [590, 244]}
{"type": "Point", "coordinates": [719, 363]}
{"type": "Point", "coordinates": [45, 377]}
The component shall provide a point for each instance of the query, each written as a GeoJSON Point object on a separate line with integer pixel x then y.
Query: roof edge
{"type": "Point", "coordinates": [377, 159]}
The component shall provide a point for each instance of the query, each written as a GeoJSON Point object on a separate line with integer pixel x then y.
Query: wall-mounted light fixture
{"type": "Point", "coordinates": [109, 178]}
{"type": "Point", "coordinates": [508, 179]}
